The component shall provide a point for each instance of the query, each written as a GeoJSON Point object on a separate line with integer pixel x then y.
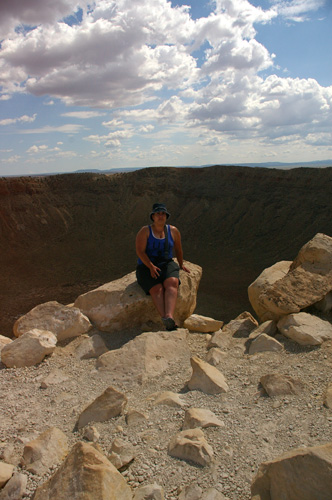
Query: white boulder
{"type": "Point", "coordinates": [307, 282]}
{"type": "Point", "coordinates": [202, 324]}
{"type": "Point", "coordinates": [122, 303]}
{"type": "Point", "coordinates": [146, 356]}
{"type": "Point", "coordinates": [29, 349]}
{"type": "Point", "coordinates": [305, 329]}
{"type": "Point", "coordinates": [64, 321]}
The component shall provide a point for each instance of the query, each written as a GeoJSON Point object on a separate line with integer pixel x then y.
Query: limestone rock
{"type": "Point", "coordinates": [15, 488]}
{"type": "Point", "coordinates": [213, 494]}
{"type": "Point", "coordinates": [169, 398]}
{"type": "Point", "coordinates": [269, 327]}
{"type": "Point", "coordinates": [307, 282]}
{"type": "Point", "coordinates": [122, 303]}
{"type": "Point", "coordinates": [86, 474]}
{"type": "Point", "coordinates": [280, 385]}
{"type": "Point", "coordinates": [109, 404]}
{"type": "Point", "coordinates": [299, 289]}
{"type": "Point", "coordinates": [49, 449]}
{"type": "Point", "coordinates": [9, 454]}
{"type": "Point", "coordinates": [28, 350]}
{"type": "Point", "coordinates": [305, 329]}
{"type": "Point", "coordinates": [191, 492]}
{"type": "Point", "coordinates": [63, 321]}
{"type": "Point", "coordinates": [134, 417]}
{"type": "Point", "coordinates": [324, 305]}
{"type": "Point", "coordinates": [215, 356]}
{"type": "Point", "coordinates": [149, 492]}
{"type": "Point", "coordinates": [264, 343]}
{"type": "Point", "coordinates": [4, 341]}
{"type": "Point", "coordinates": [121, 453]}
{"type": "Point", "coordinates": [219, 339]}
{"type": "Point", "coordinates": [305, 473]}
{"type": "Point", "coordinates": [91, 347]}
{"type": "Point", "coordinates": [316, 255]}
{"type": "Point", "coordinates": [206, 378]}
{"type": "Point", "coordinates": [6, 472]}
{"type": "Point", "coordinates": [199, 417]}
{"type": "Point", "coordinates": [267, 278]}
{"type": "Point", "coordinates": [328, 396]}
{"type": "Point", "coordinates": [191, 445]}
{"type": "Point", "coordinates": [147, 355]}
{"type": "Point", "coordinates": [91, 434]}
{"type": "Point", "coordinates": [241, 326]}
{"type": "Point", "coordinates": [55, 377]}
{"type": "Point", "coordinates": [203, 324]}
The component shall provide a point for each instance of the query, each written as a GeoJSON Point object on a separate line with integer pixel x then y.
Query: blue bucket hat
{"type": "Point", "coordinates": [159, 207]}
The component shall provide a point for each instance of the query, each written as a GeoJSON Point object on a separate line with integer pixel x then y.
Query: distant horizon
{"type": "Point", "coordinates": [280, 165]}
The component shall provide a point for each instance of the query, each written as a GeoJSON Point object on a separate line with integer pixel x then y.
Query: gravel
{"type": "Point", "coordinates": [257, 428]}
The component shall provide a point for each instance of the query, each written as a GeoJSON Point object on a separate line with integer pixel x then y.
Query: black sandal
{"type": "Point", "coordinates": [169, 324]}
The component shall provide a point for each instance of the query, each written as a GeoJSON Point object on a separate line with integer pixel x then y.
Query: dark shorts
{"type": "Point", "coordinates": [145, 280]}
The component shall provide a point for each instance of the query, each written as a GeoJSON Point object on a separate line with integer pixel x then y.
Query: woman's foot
{"type": "Point", "coordinates": [169, 324]}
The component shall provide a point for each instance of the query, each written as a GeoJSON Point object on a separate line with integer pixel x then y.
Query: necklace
{"type": "Point", "coordinates": [157, 233]}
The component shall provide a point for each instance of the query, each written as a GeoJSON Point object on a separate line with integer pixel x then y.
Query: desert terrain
{"type": "Point", "coordinates": [62, 235]}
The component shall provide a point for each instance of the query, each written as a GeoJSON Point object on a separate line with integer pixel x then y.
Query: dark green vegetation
{"type": "Point", "coordinates": [65, 234]}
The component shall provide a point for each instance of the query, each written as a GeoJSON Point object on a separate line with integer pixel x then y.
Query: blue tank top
{"type": "Point", "coordinates": [155, 248]}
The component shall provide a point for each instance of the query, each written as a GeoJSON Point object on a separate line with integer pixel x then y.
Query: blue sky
{"type": "Point", "coordinates": [139, 83]}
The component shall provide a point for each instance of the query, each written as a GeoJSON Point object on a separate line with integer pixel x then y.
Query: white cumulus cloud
{"type": "Point", "coordinates": [145, 62]}
{"type": "Point", "coordinates": [20, 119]}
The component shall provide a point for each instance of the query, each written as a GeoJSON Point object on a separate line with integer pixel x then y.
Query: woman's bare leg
{"type": "Point", "coordinates": [158, 297]}
{"type": "Point", "coordinates": [171, 286]}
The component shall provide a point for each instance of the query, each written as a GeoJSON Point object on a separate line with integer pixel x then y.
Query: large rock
{"type": "Point", "coordinates": [49, 449]}
{"type": "Point", "coordinates": [149, 492]}
{"type": "Point", "coordinates": [328, 396]}
{"type": "Point", "coordinates": [121, 453]}
{"type": "Point", "coordinates": [305, 329]}
{"type": "Point", "coordinates": [28, 350]}
{"type": "Point", "coordinates": [264, 343]}
{"type": "Point", "coordinates": [86, 474]}
{"type": "Point", "coordinates": [109, 404]}
{"type": "Point", "coordinates": [276, 384]}
{"type": "Point", "coordinates": [168, 398]}
{"type": "Point", "coordinates": [55, 377]}
{"type": "Point", "coordinates": [302, 474]}
{"type": "Point", "coordinates": [268, 327]}
{"type": "Point", "coordinates": [147, 355]}
{"type": "Point", "coordinates": [64, 321]}
{"type": "Point", "coordinates": [241, 326]}
{"type": "Point", "coordinates": [206, 378]}
{"type": "Point", "coordinates": [15, 488]}
{"type": "Point", "coordinates": [215, 356]}
{"type": "Point", "coordinates": [6, 472]}
{"type": "Point", "coordinates": [122, 303]}
{"type": "Point", "coordinates": [324, 305]}
{"type": "Point", "coordinates": [191, 445]}
{"type": "Point", "coordinates": [308, 281]}
{"type": "Point", "coordinates": [200, 417]}
{"type": "Point", "coordinates": [91, 347]}
{"type": "Point", "coordinates": [269, 276]}
{"type": "Point", "coordinates": [4, 341]}
{"type": "Point", "coordinates": [202, 324]}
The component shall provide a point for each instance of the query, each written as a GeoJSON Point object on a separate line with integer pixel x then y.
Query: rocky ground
{"type": "Point", "coordinates": [257, 428]}
{"type": "Point", "coordinates": [63, 235]}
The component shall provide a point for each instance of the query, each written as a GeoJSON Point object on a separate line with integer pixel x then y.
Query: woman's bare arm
{"type": "Point", "coordinates": [141, 241]}
{"type": "Point", "coordinates": [178, 247]}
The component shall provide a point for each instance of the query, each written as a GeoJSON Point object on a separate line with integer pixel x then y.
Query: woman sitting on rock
{"type": "Point", "coordinates": [156, 272]}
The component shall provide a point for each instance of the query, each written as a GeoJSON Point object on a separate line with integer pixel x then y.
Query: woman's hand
{"type": "Point", "coordinates": [154, 271]}
{"type": "Point", "coordinates": [185, 269]}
